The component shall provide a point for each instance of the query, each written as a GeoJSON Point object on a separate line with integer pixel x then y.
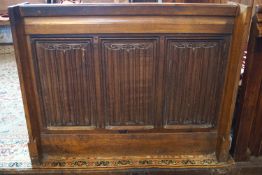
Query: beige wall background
{"type": "Point", "coordinates": [5, 3]}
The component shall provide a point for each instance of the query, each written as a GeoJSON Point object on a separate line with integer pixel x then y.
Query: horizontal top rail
{"type": "Point", "coordinates": [168, 9]}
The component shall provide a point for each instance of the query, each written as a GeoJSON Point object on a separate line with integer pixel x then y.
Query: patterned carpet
{"type": "Point", "coordinates": [13, 132]}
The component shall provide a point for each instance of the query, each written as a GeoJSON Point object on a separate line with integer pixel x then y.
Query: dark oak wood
{"type": "Point", "coordinates": [183, 9]}
{"type": "Point", "coordinates": [191, 95]}
{"type": "Point", "coordinates": [120, 86]}
{"type": "Point", "coordinates": [248, 130]}
{"type": "Point", "coordinates": [232, 82]}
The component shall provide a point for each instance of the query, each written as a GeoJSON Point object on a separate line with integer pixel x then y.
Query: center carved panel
{"type": "Point", "coordinates": [195, 72]}
{"type": "Point", "coordinates": [129, 77]}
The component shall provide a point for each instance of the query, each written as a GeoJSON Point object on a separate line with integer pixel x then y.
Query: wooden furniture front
{"type": "Point", "coordinates": [128, 85]}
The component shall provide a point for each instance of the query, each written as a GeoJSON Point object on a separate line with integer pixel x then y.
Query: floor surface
{"type": "Point", "coordinates": [13, 131]}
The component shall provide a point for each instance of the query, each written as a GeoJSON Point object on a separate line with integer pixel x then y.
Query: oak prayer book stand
{"type": "Point", "coordinates": [120, 86]}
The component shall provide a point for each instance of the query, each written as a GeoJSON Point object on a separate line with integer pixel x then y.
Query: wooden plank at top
{"type": "Point", "coordinates": [129, 10]}
{"type": "Point", "coordinates": [94, 25]}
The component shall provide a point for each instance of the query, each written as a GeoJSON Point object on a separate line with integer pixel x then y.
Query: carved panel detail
{"type": "Point", "coordinates": [129, 71]}
{"type": "Point", "coordinates": [128, 47]}
{"type": "Point", "coordinates": [194, 45]}
{"type": "Point", "coordinates": [137, 162]}
{"type": "Point", "coordinates": [195, 71]}
{"type": "Point", "coordinates": [66, 81]}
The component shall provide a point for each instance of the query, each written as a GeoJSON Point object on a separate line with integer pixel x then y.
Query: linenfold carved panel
{"type": "Point", "coordinates": [195, 71]}
{"type": "Point", "coordinates": [66, 81]}
{"type": "Point", "coordinates": [193, 81]}
{"type": "Point", "coordinates": [128, 75]}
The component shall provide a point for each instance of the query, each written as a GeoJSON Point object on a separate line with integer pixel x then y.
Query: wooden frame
{"type": "Point", "coordinates": [36, 26]}
{"type": "Point", "coordinates": [247, 138]}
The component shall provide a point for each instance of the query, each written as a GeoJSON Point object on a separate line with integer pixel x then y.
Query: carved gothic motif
{"type": "Point", "coordinates": [195, 44]}
{"type": "Point", "coordinates": [64, 46]}
{"type": "Point", "coordinates": [66, 75]}
{"type": "Point", "coordinates": [195, 73]}
{"type": "Point", "coordinates": [129, 76]}
{"type": "Point", "coordinates": [128, 46]}
{"type": "Point", "coordinates": [118, 163]}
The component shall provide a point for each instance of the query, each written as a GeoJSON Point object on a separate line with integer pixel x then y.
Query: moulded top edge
{"type": "Point", "coordinates": [120, 9]}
